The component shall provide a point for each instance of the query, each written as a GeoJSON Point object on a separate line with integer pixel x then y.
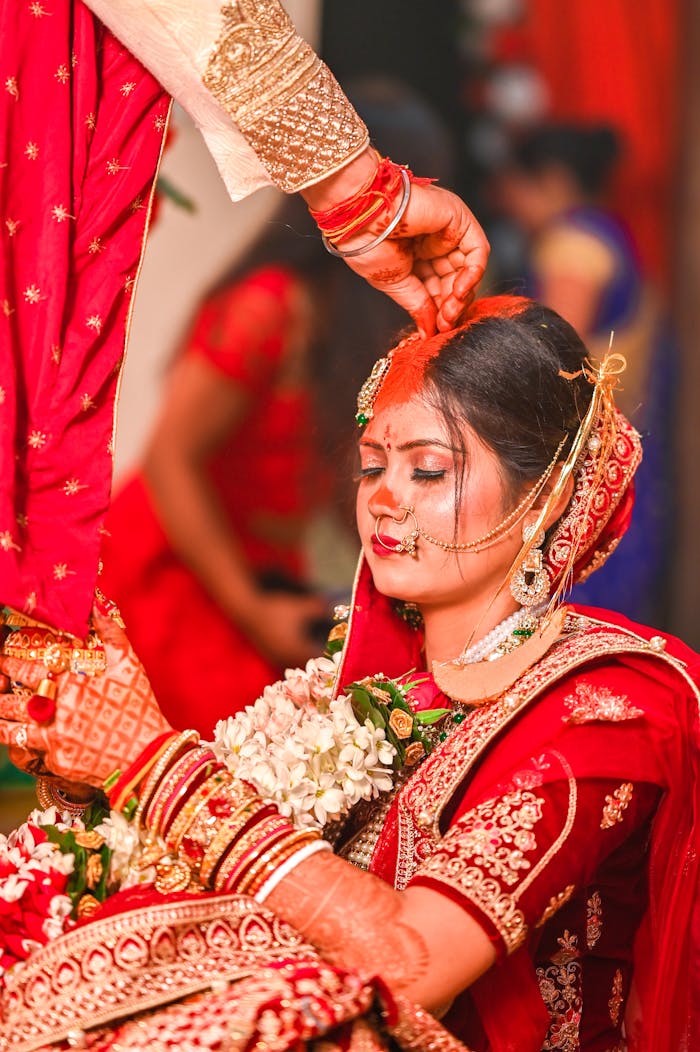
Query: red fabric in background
{"type": "Point", "coordinates": [81, 126]}
{"type": "Point", "coordinates": [618, 61]}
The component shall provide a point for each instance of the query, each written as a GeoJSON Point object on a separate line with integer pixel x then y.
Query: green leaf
{"type": "Point", "coordinates": [430, 716]}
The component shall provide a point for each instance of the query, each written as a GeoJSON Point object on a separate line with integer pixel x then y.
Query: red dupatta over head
{"type": "Point", "coordinates": [81, 130]}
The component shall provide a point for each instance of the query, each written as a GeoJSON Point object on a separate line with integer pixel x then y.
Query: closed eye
{"type": "Point", "coordinates": [369, 472]}
{"type": "Point", "coordinates": [423, 475]}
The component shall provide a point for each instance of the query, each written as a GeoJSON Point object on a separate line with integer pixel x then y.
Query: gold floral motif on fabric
{"type": "Point", "coordinates": [555, 904]}
{"type": "Point", "coordinates": [484, 852]}
{"type": "Point", "coordinates": [615, 805]}
{"type": "Point", "coordinates": [284, 99]}
{"type": "Point", "coordinates": [616, 998]}
{"type": "Point", "coordinates": [594, 919]}
{"type": "Point", "coordinates": [589, 703]}
{"type": "Point", "coordinates": [561, 989]}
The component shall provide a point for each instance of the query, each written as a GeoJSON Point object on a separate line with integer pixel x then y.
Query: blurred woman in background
{"type": "Point", "coordinates": [212, 530]}
{"type": "Point", "coordinates": [583, 263]}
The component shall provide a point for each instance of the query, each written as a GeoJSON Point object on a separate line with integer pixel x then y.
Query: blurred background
{"type": "Point", "coordinates": [573, 131]}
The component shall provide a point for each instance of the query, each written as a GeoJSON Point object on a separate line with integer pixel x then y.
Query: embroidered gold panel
{"type": "Point", "coordinates": [128, 963]}
{"type": "Point", "coordinates": [284, 99]}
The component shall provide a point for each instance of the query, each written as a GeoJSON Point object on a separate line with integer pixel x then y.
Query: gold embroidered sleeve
{"type": "Point", "coordinates": [285, 101]}
{"type": "Point", "coordinates": [517, 859]}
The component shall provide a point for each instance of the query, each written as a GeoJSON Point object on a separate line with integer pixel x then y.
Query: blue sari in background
{"type": "Point", "coordinates": [635, 580]}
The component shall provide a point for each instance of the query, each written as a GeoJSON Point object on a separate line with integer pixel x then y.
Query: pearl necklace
{"type": "Point", "coordinates": [501, 639]}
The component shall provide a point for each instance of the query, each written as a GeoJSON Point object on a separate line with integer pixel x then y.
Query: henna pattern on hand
{"type": "Point", "coordinates": [355, 919]}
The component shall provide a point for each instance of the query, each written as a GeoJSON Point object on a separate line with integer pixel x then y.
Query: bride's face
{"type": "Point", "coordinates": [407, 460]}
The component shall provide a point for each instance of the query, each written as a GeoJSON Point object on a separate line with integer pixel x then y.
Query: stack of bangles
{"type": "Point", "coordinates": [378, 196]}
{"type": "Point", "coordinates": [223, 835]}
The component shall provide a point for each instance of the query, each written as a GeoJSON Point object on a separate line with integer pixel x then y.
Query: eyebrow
{"type": "Point", "coordinates": [417, 443]}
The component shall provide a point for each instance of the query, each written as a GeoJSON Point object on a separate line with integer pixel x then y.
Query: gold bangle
{"type": "Point", "coordinates": [228, 832]}
{"type": "Point", "coordinates": [268, 859]}
{"type": "Point", "coordinates": [204, 770]}
{"type": "Point", "coordinates": [244, 852]}
{"type": "Point", "coordinates": [259, 874]}
{"type": "Point", "coordinates": [166, 758]}
{"type": "Point", "coordinates": [168, 783]}
{"type": "Point", "coordinates": [192, 809]}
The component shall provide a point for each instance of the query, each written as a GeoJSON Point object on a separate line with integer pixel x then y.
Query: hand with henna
{"type": "Point", "coordinates": [101, 722]}
{"type": "Point", "coordinates": [430, 264]}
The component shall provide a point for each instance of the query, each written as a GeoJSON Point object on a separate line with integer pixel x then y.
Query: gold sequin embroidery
{"type": "Point", "coordinates": [283, 98]}
{"type": "Point", "coordinates": [616, 999]}
{"type": "Point", "coordinates": [561, 990]}
{"type": "Point", "coordinates": [589, 703]}
{"type": "Point", "coordinates": [485, 850]}
{"type": "Point", "coordinates": [555, 903]}
{"type": "Point", "coordinates": [594, 919]}
{"type": "Point", "coordinates": [615, 805]}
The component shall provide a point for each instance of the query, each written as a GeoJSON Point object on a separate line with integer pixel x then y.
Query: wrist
{"type": "Point", "coordinates": [343, 183]}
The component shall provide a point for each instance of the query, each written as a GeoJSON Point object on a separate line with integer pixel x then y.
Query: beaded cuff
{"type": "Point", "coordinates": [285, 101]}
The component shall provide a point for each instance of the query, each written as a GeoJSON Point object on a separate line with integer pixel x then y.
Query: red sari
{"type": "Point", "coordinates": [563, 817]}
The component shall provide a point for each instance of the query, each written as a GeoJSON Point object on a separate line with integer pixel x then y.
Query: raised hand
{"type": "Point", "coordinates": [101, 722]}
{"type": "Point", "coordinates": [432, 260]}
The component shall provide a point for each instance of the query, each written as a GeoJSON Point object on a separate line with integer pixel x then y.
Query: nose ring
{"type": "Point", "coordinates": [408, 542]}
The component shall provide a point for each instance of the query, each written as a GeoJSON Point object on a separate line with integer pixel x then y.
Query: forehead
{"type": "Point", "coordinates": [406, 422]}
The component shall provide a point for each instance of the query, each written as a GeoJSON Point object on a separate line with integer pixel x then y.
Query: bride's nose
{"type": "Point", "coordinates": [385, 502]}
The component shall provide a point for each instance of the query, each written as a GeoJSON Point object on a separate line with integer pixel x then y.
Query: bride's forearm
{"type": "Point", "coordinates": [419, 942]}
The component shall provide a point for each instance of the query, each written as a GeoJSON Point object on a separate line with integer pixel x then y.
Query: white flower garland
{"type": "Point", "coordinates": [306, 751]}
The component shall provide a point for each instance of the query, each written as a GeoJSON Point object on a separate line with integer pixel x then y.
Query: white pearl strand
{"type": "Point", "coordinates": [487, 646]}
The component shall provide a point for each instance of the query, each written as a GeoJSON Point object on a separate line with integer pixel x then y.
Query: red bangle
{"type": "Point", "coordinates": [136, 771]}
{"type": "Point", "coordinates": [370, 201]}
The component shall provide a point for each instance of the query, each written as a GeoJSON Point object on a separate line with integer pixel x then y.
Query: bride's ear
{"type": "Point", "coordinates": [562, 502]}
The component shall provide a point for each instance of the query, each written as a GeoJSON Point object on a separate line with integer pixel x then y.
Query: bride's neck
{"type": "Point", "coordinates": [450, 628]}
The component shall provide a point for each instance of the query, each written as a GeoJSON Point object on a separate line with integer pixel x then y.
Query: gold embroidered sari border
{"type": "Point", "coordinates": [145, 958]}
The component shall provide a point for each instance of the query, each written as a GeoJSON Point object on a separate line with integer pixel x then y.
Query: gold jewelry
{"type": "Point", "coordinates": [370, 389]}
{"type": "Point", "coordinates": [225, 834]}
{"type": "Point", "coordinates": [504, 526]}
{"type": "Point", "coordinates": [54, 651]}
{"type": "Point", "coordinates": [149, 787]}
{"type": "Point", "coordinates": [407, 543]}
{"type": "Point", "coordinates": [50, 795]}
{"type": "Point", "coordinates": [191, 810]}
{"type": "Point", "coordinates": [529, 583]}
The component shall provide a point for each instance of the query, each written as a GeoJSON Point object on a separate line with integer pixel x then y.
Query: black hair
{"type": "Point", "coordinates": [587, 152]}
{"type": "Point", "coordinates": [504, 376]}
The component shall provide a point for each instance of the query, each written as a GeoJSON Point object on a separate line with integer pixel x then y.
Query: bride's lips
{"type": "Point", "coordinates": [389, 545]}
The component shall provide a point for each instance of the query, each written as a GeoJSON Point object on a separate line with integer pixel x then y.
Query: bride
{"type": "Point", "coordinates": [513, 790]}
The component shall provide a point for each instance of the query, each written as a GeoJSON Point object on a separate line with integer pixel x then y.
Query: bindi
{"type": "Point", "coordinates": [387, 439]}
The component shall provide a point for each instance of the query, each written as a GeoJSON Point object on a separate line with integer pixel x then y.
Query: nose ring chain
{"type": "Point", "coordinates": [408, 542]}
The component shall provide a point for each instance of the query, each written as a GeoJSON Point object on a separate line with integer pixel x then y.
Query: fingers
{"type": "Point", "coordinates": [28, 737]}
{"type": "Point", "coordinates": [413, 295]}
{"type": "Point", "coordinates": [109, 631]}
{"type": "Point", "coordinates": [30, 673]}
{"type": "Point", "coordinates": [25, 760]}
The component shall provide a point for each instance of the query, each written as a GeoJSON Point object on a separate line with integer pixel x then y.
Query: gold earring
{"type": "Point", "coordinates": [529, 585]}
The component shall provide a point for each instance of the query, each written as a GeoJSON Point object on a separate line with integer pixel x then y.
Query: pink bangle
{"type": "Point", "coordinates": [230, 869]}
{"type": "Point", "coordinates": [185, 784]}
